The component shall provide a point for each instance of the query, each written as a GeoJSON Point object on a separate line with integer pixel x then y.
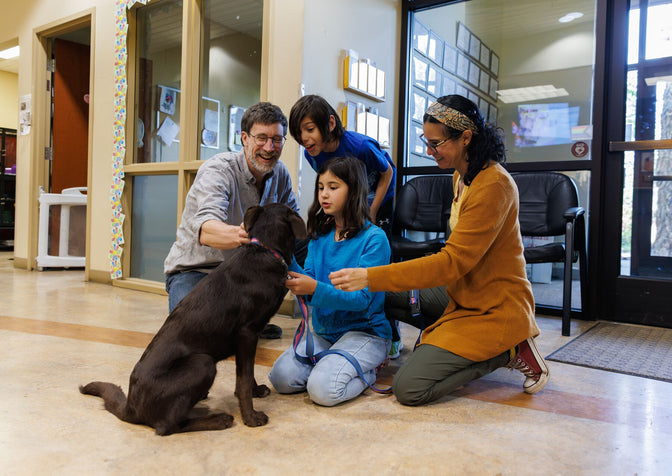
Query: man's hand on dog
{"type": "Point", "coordinates": [222, 236]}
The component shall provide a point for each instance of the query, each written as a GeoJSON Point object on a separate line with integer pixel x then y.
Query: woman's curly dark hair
{"type": "Point", "coordinates": [356, 208]}
{"type": "Point", "coordinates": [485, 146]}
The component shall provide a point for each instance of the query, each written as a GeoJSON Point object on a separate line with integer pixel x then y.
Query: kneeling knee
{"type": "Point", "coordinates": [406, 396]}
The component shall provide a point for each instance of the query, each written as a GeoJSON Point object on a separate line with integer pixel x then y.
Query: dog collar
{"type": "Point", "coordinates": [270, 250]}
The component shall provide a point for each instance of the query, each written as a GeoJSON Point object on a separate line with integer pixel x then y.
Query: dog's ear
{"type": "Point", "coordinates": [251, 215]}
{"type": "Point", "coordinates": [297, 224]}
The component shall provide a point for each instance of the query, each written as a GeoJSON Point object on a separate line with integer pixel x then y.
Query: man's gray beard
{"type": "Point", "coordinates": [262, 168]}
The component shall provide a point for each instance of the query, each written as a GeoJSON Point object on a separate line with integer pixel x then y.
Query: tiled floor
{"type": "Point", "coordinates": [57, 332]}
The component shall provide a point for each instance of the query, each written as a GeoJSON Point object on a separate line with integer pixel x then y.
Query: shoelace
{"type": "Point", "coordinates": [521, 366]}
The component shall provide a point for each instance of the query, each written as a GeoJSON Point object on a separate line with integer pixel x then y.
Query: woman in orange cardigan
{"type": "Point", "coordinates": [489, 321]}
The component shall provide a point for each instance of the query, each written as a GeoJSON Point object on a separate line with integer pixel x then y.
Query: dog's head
{"type": "Point", "coordinates": [276, 226]}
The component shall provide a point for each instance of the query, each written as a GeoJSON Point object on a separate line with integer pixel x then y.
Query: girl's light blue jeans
{"type": "Point", "coordinates": [333, 379]}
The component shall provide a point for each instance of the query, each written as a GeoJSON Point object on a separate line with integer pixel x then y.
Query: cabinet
{"type": "Point", "coordinates": [7, 184]}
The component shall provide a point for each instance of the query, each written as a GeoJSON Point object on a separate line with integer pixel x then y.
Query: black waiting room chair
{"type": "Point", "coordinates": [423, 204]}
{"type": "Point", "coordinates": [549, 206]}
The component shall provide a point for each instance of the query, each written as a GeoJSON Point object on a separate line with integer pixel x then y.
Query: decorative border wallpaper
{"type": "Point", "coordinates": [119, 150]}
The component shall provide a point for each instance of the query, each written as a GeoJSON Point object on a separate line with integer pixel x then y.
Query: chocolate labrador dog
{"type": "Point", "coordinates": [222, 316]}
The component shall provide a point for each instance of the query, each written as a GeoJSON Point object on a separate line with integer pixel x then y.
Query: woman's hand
{"type": "Point", "coordinates": [300, 284]}
{"type": "Point", "coordinates": [350, 279]}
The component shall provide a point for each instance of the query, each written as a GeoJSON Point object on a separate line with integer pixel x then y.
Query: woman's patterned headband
{"type": "Point", "coordinates": [451, 117]}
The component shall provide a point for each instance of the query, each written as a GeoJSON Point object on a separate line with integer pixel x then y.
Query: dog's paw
{"type": "Point", "coordinates": [260, 391]}
{"type": "Point", "coordinates": [222, 421]}
{"type": "Point", "coordinates": [255, 419]}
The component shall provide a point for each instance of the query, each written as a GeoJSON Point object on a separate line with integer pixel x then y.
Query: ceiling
{"type": "Point", "coordinates": [495, 21]}
{"type": "Point", "coordinates": [10, 65]}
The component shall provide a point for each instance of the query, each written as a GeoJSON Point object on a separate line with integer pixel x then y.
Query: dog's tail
{"type": "Point", "coordinates": [113, 395]}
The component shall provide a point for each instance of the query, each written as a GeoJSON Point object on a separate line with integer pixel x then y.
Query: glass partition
{"type": "Point", "coordinates": [154, 220]}
{"type": "Point", "coordinates": [158, 73]}
{"type": "Point", "coordinates": [529, 70]}
{"type": "Point", "coordinates": [231, 74]}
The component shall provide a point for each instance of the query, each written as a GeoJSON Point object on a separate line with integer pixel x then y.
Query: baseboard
{"type": "Point", "coordinates": [98, 276]}
{"type": "Point", "coordinates": [20, 263]}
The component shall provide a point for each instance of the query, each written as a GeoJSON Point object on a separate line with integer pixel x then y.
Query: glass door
{"type": "Point", "coordinates": [640, 288]}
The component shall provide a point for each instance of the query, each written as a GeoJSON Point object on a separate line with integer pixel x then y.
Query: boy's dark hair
{"type": "Point", "coordinates": [356, 208]}
{"type": "Point", "coordinates": [319, 110]}
{"type": "Point", "coordinates": [485, 146]}
{"type": "Point", "coordinates": [263, 113]}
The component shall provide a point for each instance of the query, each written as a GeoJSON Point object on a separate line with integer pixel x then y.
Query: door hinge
{"type": "Point", "coordinates": [48, 153]}
{"type": "Point", "coordinates": [51, 65]}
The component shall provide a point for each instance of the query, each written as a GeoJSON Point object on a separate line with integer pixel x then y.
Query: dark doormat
{"type": "Point", "coordinates": [623, 348]}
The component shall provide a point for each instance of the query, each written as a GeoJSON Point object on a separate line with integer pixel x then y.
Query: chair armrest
{"type": "Point", "coordinates": [572, 213]}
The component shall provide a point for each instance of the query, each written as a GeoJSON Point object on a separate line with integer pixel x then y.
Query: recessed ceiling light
{"type": "Point", "coordinates": [570, 17]}
{"type": "Point", "coordinates": [531, 93]}
{"type": "Point", "coordinates": [10, 53]}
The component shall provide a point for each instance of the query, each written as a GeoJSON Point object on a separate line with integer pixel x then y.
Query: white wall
{"type": "Point", "coordinates": [9, 100]}
{"type": "Point", "coordinates": [23, 19]}
{"type": "Point", "coordinates": [369, 27]}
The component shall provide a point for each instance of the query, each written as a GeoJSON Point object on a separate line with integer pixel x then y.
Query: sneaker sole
{"type": "Point", "coordinates": [545, 372]}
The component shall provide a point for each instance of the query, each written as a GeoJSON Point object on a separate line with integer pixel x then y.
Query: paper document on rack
{"type": "Point", "coordinates": [168, 131]}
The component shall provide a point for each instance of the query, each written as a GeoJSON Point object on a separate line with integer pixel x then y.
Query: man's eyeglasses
{"type": "Point", "coordinates": [261, 140]}
{"type": "Point", "coordinates": [431, 146]}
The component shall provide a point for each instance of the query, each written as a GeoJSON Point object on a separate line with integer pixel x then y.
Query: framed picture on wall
{"type": "Point", "coordinates": [448, 86]}
{"type": "Point", "coordinates": [463, 35]}
{"type": "Point", "coordinates": [461, 90]}
{"type": "Point", "coordinates": [417, 147]}
{"type": "Point", "coordinates": [418, 106]}
{"type": "Point", "coordinates": [494, 86]}
{"type": "Point", "coordinates": [492, 114]}
{"type": "Point", "coordinates": [474, 73]}
{"type": "Point", "coordinates": [462, 66]}
{"type": "Point", "coordinates": [433, 81]}
{"type": "Point", "coordinates": [483, 106]}
{"type": "Point", "coordinates": [484, 83]}
{"type": "Point", "coordinates": [485, 56]}
{"type": "Point", "coordinates": [494, 64]}
{"type": "Point", "coordinates": [435, 50]}
{"type": "Point", "coordinates": [420, 37]}
{"type": "Point", "coordinates": [419, 73]}
{"type": "Point", "coordinates": [449, 58]}
{"type": "Point", "coordinates": [475, 47]}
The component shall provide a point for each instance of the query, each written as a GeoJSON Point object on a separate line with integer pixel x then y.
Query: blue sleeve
{"type": "Point", "coordinates": [296, 267]}
{"type": "Point", "coordinates": [374, 157]}
{"type": "Point", "coordinates": [376, 252]}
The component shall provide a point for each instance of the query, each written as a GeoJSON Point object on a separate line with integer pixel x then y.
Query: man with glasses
{"type": "Point", "coordinates": [226, 185]}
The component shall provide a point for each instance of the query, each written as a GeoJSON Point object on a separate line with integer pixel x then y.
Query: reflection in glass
{"type": "Point", "coordinates": [646, 226]}
{"type": "Point", "coordinates": [158, 71]}
{"type": "Point", "coordinates": [535, 54]}
{"type": "Point", "coordinates": [231, 71]}
{"type": "Point", "coordinates": [659, 30]}
{"type": "Point", "coordinates": [154, 220]}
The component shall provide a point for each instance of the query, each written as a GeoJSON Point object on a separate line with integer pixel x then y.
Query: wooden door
{"type": "Point", "coordinates": [71, 115]}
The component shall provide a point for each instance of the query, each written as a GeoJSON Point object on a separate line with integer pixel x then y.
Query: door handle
{"type": "Point", "coordinates": [619, 146]}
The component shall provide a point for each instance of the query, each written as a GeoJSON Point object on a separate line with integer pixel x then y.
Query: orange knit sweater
{"type": "Point", "coordinates": [491, 305]}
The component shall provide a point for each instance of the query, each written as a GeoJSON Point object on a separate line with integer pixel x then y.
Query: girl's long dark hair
{"type": "Point", "coordinates": [356, 208]}
{"type": "Point", "coordinates": [485, 146]}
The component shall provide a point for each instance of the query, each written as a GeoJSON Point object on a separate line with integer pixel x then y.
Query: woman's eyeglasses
{"type": "Point", "coordinates": [431, 146]}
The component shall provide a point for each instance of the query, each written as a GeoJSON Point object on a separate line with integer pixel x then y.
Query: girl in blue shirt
{"type": "Point", "coordinates": [340, 235]}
